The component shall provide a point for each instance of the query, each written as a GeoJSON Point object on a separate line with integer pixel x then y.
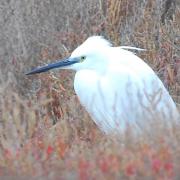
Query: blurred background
{"type": "Point", "coordinates": [35, 32]}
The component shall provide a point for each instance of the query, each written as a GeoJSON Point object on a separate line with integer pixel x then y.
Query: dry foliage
{"type": "Point", "coordinates": [44, 132]}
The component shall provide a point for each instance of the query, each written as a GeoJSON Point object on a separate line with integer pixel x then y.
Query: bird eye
{"type": "Point", "coordinates": [82, 58]}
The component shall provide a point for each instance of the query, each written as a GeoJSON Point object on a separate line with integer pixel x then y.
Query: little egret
{"type": "Point", "coordinates": [115, 86]}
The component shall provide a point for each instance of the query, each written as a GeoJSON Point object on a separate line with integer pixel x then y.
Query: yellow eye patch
{"type": "Point", "coordinates": [82, 58]}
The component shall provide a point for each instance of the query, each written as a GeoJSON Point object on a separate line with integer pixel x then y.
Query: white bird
{"type": "Point", "coordinates": [116, 87]}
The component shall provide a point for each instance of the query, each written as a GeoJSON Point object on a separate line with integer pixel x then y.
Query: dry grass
{"type": "Point", "coordinates": [44, 132]}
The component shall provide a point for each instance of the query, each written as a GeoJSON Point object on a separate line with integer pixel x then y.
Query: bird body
{"type": "Point", "coordinates": [127, 92]}
{"type": "Point", "coordinates": [116, 87]}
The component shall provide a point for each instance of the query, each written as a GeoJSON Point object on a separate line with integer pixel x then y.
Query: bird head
{"type": "Point", "coordinates": [88, 55]}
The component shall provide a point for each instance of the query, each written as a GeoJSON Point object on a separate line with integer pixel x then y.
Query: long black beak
{"type": "Point", "coordinates": [58, 64]}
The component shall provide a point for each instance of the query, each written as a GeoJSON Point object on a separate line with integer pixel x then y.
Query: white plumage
{"type": "Point", "coordinates": [116, 87]}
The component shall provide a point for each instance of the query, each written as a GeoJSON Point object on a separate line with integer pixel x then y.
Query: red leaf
{"type": "Point", "coordinates": [104, 165]}
{"type": "Point", "coordinates": [156, 165]}
{"type": "Point", "coordinates": [49, 150]}
{"type": "Point", "coordinates": [83, 169]}
{"type": "Point", "coordinates": [168, 166]}
{"type": "Point", "coordinates": [130, 170]}
{"type": "Point", "coordinates": [8, 153]}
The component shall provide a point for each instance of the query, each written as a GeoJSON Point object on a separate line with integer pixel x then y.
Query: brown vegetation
{"type": "Point", "coordinates": [44, 132]}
